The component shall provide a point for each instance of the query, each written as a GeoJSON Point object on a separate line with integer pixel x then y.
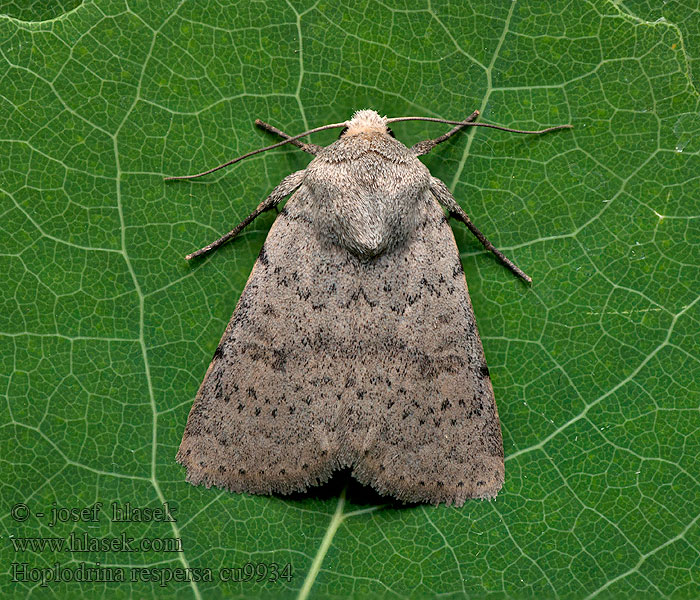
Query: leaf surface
{"type": "Point", "coordinates": [106, 332]}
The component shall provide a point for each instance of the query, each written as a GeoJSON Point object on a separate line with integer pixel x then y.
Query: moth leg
{"type": "Point", "coordinates": [285, 187]}
{"type": "Point", "coordinates": [427, 145]}
{"type": "Point", "coordinates": [310, 148]}
{"type": "Point", "coordinates": [455, 211]}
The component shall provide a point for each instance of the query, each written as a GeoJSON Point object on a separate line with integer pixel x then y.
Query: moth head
{"type": "Point", "coordinates": [366, 121]}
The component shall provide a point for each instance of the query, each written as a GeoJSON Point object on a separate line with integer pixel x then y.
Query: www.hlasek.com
{"type": "Point", "coordinates": [84, 542]}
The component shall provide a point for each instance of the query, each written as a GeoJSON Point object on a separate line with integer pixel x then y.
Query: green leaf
{"type": "Point", "coordinates": [106, 332]}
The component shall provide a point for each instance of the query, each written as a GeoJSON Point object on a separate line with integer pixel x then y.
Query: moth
{"type": "Point", "coordinates": [354, 343]}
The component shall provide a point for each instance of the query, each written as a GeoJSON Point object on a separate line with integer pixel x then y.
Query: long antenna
{"type": "Point", "coordinates": [277, 145]}
{"type": "Point", "coordinates": [344, 124]}
{"type": "Point", "coordinates": [434, 120]}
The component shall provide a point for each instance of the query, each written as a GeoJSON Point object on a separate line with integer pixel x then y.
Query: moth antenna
{"type": "Point", "coordinates": [434, 120]}
{"type": "Point", "coordinates": [258, 151]}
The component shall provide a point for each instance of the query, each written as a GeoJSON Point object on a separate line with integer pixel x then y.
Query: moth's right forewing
{"type": "Point", "coordinates": [264, 417]}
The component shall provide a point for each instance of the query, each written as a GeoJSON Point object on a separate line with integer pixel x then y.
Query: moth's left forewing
{"type": "Point", "coordinates": [423, 424]}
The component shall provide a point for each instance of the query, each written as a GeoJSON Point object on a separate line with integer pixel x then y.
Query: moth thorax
{"type": "Point", "coordinates": [366, 121]}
